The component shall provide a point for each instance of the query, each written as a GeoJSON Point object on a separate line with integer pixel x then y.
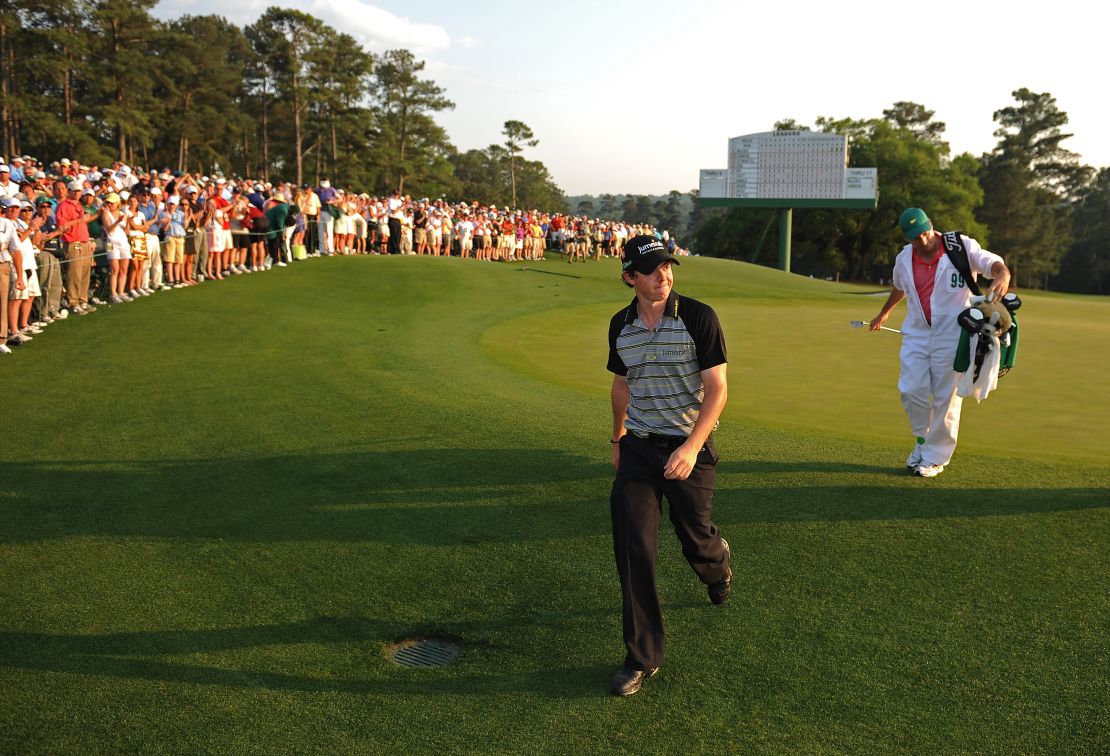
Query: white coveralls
{"type": "Point", "coordinates": [927, 381]}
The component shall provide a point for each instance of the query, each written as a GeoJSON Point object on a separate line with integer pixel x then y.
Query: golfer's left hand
{"type": "Point", "coordinates": [681, 463]}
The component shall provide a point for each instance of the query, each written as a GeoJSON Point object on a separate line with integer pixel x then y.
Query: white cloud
{"type": "Point", "coordinates": [375, 28]}
{"type": "Point", "coordinates": [379, 29]}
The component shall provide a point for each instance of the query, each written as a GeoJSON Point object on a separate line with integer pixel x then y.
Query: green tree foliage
{"type": "Point", "coordinates": [123, 78]}
{"type": "Point", "coordinates": [285, 39]}
{"type": "Point", "coordinates": [918, 120]}
{"type": "Point", "coordinates": [47, 81]}
{"type": "Point", "coordinates": [285, 97]}
{"type": "Point", "coordinates": [339, 75]}
{"type": "Point", "coordinates": [517, 137]}
{"type": "Point", "coordinates": [1029, 182]}
{"type": "Point", "coordinates": [200, 89]}
{"type": "Point", "coordinates": [481, 174]}
{"type": "Point", "coordinates": [1086, 267]}
{"type": "Point", "coordinates": [536, 189]}
{"type": "Point", "coordinates": [1029, 134]}
{"type": "Point", "coordinates": [407, 139]}
{"type": "Point", "coordinates": [485, 175]}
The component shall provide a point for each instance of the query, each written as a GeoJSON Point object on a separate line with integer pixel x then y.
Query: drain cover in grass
{"type": "Point", "coordinates": [424, 652]}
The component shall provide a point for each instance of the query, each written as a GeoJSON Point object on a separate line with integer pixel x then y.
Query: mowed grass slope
{"type": "Point", "coordinates": [224, 503]}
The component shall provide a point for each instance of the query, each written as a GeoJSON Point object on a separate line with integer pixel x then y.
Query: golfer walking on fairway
{"type": "Point", "coordinates": [936, 294]}
{"type": "Point", "coordinates": [667, 356]}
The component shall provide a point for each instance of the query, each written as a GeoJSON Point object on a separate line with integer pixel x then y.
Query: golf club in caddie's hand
{"type": "Point", "coordinates": [862, 323]}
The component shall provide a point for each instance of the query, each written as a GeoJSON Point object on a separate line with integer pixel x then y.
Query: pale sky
{"type": "Point", "coordinates": [636, 97]}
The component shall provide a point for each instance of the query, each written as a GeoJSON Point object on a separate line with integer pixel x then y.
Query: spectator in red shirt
{"type": "Point", "coordinates": [72, 221]}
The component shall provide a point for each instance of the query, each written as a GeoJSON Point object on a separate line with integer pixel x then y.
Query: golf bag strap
{"type": "Point", "coordinates": [954, 248]}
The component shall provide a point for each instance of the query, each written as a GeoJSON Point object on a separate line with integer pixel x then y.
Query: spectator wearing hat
{"type": "Point", "coordinates": [173, 253]}
{"type": "Point", "coordinates": [212, 220]}
{"type": "Point", "coordinates": [100, 273]}
{"type": "Point", "coordinates": [137, 226]}
{"type": "Point", "coordinates": [196, 241]}
{"type": "Point", "coordinates": [276, 216]}
{"type": "Point", "coordinates": [259, 227]}
{"type": "Point", "coordinates": [17, 173]}
{"type": "Point", "coordinates": [113, 219]}
{"type": "Point", "coordinates": [16, 283]}
{"type": "Point", "coordinates": [292, 221]}
{"type": "Point", "coordinates": [27, 224]}
{"type": "Point", "coordinates": [7, 185]}
{"type": "Point", "coordinates": [240, 233]}
{"type": "Point", "coordinates": [358, 217]}
{"type": "Point", "coordinates": [384, 229]}
{"type": "Point", "coordinates": [149, 206]}
{"type": "Point", "coordinates": [50, 270]}
{"type": "Point", "coordinates": [310, 209]}
{"type": "Point", "coordinates": [394, 207]}
{"type": "Point", "coordinates": [222, 261]}
{"type": "Point", "coordinates": [326, 221]}
{"type": "Point", "coordinates": [420, 228]}
{"type": "Point", "coordinates": [408, 228]}
{"type": "Point", "coordinates": [72, 221]}
{"type": "Point", "coordinates": [9, 261]}
{"type": "Point", "coordinates": [464, 229]}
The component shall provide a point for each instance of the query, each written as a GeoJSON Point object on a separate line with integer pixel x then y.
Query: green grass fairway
{"type": "Point", "coordinates": [220, 506]}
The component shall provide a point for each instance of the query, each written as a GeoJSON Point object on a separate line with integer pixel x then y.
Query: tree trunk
{"type": "Point", "coordinates": [297, 131]}
{"type": "Point", "coordinates": [401, 151]}
{"type": "Point", "coordinates": [67, 96]}
{"type": "Point", "coordinates": [265, 137]}
{"type": "Point", "coordinates": [183, 140]}
{"type": "Point", "coordinates": [119, 90]}
{"type": "Point", "coordinates": [512, 175]}
{"type": "Point", "coordinates": [4, 88]}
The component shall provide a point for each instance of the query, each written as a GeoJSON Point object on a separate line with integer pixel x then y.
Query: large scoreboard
{"type": "Point", "coordinates": [789, 165]}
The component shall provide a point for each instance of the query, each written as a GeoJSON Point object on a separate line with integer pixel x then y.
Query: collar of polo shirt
{"type": "Point", "coordinates": [671, 310]}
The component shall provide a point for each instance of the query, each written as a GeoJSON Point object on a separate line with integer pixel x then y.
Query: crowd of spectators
{"type": "Point", "coordinates": [74, 237]}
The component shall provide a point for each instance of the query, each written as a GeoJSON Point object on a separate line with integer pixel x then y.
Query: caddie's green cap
{"type": "Point", "coordinates": [914, 223]}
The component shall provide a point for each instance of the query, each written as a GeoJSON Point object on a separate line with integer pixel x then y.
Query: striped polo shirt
{"type": "Point", "coordinates": [663, 367]}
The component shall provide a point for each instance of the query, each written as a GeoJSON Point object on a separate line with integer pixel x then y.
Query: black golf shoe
{"type": "Point", "coordinates": [718, 592]}
{"type": "Point", "coordinates": [628, 681]}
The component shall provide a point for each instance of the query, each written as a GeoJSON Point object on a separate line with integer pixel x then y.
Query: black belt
{"type": "Point", "coordinates": [658, 439]}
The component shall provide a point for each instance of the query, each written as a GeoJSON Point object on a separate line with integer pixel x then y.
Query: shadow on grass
{"type": "Point", "coordinates": [447, 497]}
{"type": "Point", "coordinates": [134, 655]}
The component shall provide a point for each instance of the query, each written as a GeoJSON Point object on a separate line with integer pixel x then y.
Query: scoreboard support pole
{"type": "Point", "coordinates": [786, 223]}
{"type": "Point", "coordinates": [786, 209]}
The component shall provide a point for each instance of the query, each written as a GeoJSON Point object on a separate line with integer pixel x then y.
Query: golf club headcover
{"type": "Point", "coordinates": [972, 320]}
{"type": "Point", "coordinates": [1011, 302]}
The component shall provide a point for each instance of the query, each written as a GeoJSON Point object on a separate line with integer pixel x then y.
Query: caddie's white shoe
{"type": "Point", "coordinates": [929, 471]}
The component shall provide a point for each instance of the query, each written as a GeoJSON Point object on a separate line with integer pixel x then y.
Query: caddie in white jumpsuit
{"type": "Point", "coordinates": [935, 295]}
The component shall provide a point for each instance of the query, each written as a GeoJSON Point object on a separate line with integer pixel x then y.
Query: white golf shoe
{"type": "Point", "coordinates": [928, 471]}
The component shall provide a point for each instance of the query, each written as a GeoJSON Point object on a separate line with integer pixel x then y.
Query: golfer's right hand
{"type": "Point", "coordinates": [878, 321]}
